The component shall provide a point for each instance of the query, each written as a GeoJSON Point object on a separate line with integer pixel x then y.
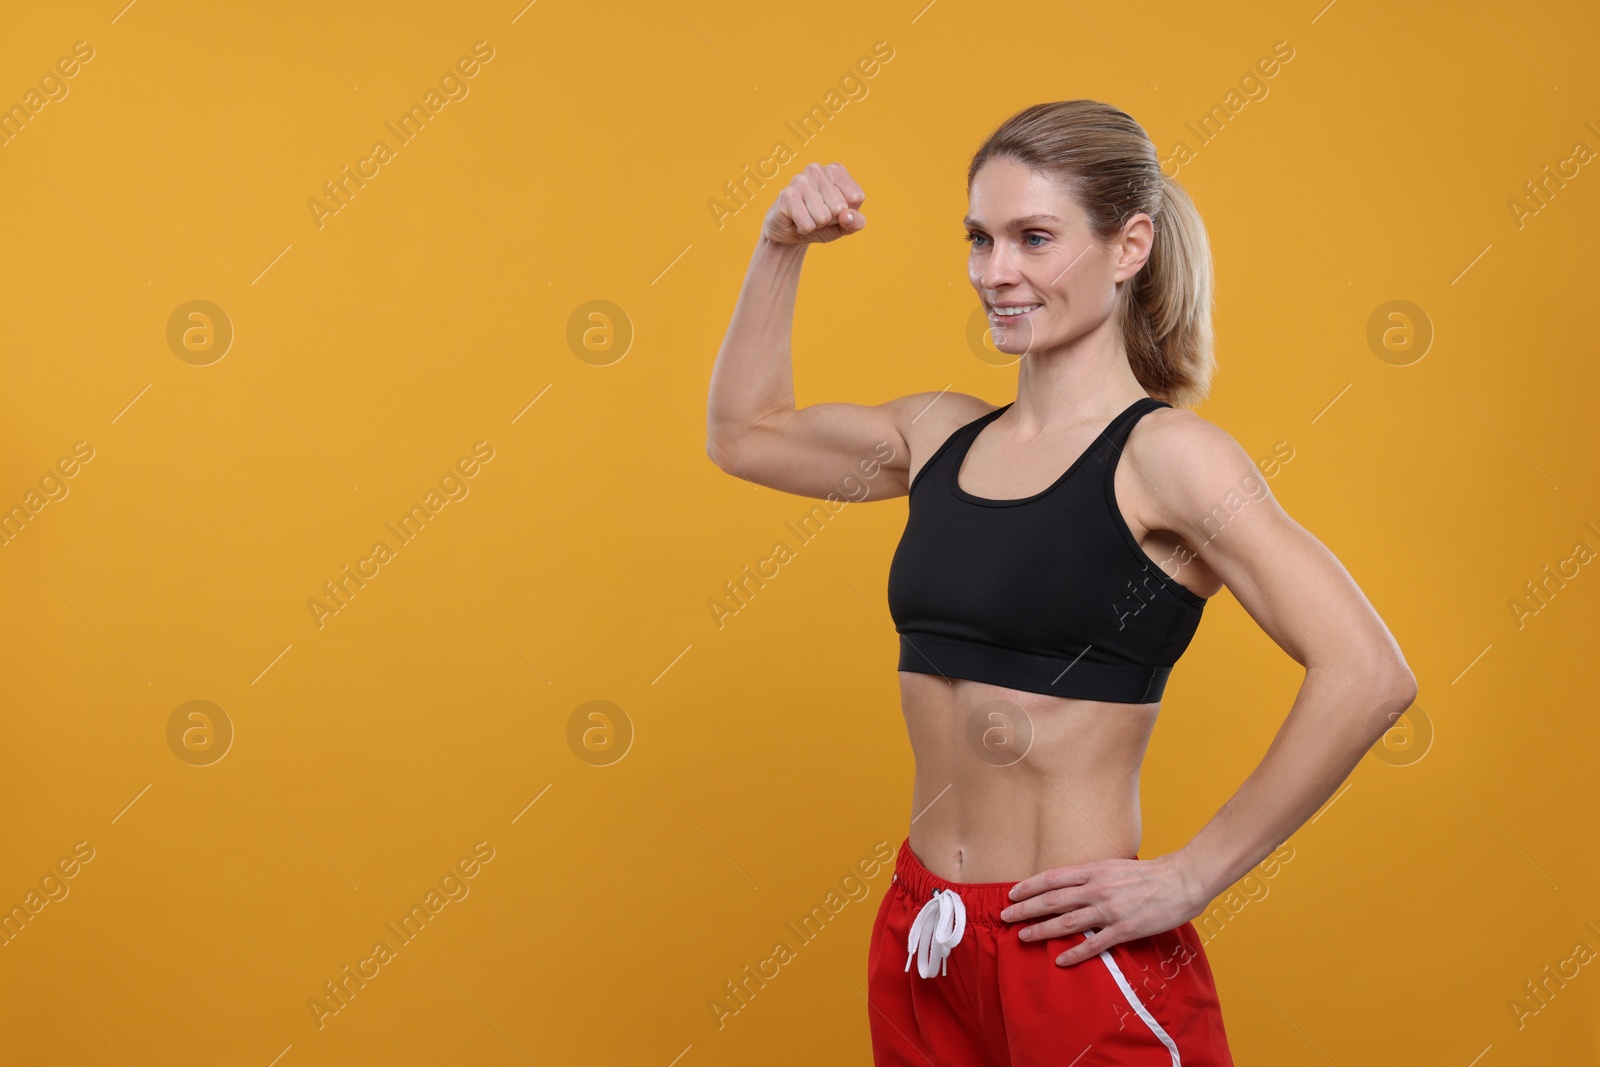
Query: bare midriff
{"type": "Point", "coordinates": [1011, 783]}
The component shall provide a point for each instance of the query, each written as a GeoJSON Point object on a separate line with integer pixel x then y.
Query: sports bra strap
{"type": "Point", "coordinates": [1116, 435]}
{"type": "Point", "coordinates": [959, 438]}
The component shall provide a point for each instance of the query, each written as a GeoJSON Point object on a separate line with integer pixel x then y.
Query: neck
{"type": "Point", "coordinates": [1085, 380]}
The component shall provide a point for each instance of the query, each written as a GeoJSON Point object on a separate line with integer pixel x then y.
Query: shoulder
{"type": "Point", "coordinates": [1190, 466]}
{"type": "Point", "coordinates": [927, 420]}
{"type": "Point", "coordinates": [944, 406]}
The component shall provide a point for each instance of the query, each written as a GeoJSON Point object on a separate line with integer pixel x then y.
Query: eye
{"type": "Point", "coordinates": [972, 238]}
{"type": "Point", "coordinates": [1041, 235]}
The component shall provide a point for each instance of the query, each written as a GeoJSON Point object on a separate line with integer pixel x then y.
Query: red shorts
{"type": "Point", "coordinates": [998, 1001]}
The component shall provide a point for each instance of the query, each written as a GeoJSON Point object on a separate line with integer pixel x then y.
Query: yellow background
{"type": "Point", "coordinates": [768, 756]}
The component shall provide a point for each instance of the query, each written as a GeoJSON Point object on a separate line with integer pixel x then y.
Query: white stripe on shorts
{"type": "Point", "coordinates": [1133, 1000]}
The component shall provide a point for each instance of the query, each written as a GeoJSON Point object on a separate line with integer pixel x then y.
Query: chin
{"type": "Point", "coordinates": [1016, 342]}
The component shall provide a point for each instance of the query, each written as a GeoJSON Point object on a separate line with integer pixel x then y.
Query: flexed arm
{"type": "Point", "coordinates": [753, 429]}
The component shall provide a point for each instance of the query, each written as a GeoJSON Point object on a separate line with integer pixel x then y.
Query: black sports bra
{"type": "Point", "coordinates": [1048, 593]}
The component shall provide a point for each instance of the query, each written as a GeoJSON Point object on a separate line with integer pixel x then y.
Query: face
{"type": "Point", "coordinates": [1032, 252]}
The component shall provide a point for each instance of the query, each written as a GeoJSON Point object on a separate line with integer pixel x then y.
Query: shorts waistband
{"type": "Point", "coordinates": [984, 901]}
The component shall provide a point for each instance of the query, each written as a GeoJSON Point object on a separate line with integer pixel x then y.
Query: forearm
{"type": "Point", "coordinates": [1332, 723]}
{"type": "Point", "coordinates": [754, 375]}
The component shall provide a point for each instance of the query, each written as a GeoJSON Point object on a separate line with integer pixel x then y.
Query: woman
{"type": "Point", "coordinates": [1057, 556]}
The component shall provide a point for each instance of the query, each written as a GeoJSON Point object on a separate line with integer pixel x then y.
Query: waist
{"type": "Point", "coordinates": [983, 901]}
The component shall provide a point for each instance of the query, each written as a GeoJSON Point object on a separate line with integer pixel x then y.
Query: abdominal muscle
{"type": "Point", "coordinates": [1011, 783]}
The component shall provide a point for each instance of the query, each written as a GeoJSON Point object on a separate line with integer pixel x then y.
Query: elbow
{"type": "Point", "coordinates": [718, 454]}
{"type": "Point", "coordinates": [715, 455]}
{"type": "Point", "coordinates": [1398, 686]}
{"type": "Point", "coordinates": [725, 435]}
{"type": "Point", "coordinates": [1410, 691]}
{"type": "Point", "coordinates": [1386, 680]}
{"type": "Point", "coordinates": [1393, 690]}
{"type": "Point", "coordinates": [1391, 686]}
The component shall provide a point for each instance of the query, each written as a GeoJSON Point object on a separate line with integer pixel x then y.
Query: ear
{"type": "Point", "coordinates": [1133, 246]}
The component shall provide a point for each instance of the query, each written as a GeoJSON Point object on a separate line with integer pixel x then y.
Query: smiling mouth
{"type": "Point", "coordinates": [1012, 314]}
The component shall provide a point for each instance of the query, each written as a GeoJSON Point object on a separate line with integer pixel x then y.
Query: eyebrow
{"type": "Point", "coordinates": [1016, 224]}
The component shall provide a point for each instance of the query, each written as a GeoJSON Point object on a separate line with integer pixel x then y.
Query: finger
{"type": "Point", "coordinates": [833, 193]}
{"type": "Point", "coordinates": [847, 185]}
{"type": "Point", "coordinates": [811, 190]}
{"type": "Point", "coordinates": [1054, 927]}
{"type": "Point", "coordinates": [1089, 947]}
{"type": "Point", "coordinates": [1049, 902]}
{"type": "Point", "coordinates": [795, 205]}
{"type": "Point", "coordinates": [832, 196]}
{"type": "Point", "coordinates": [1051, 879]}
{"type": "Point", "coordinates": [1060, 925]}
{"type": "Point", "coordinates": [848, 220]}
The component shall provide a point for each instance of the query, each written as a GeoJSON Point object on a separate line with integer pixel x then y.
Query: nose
{"type": "Point", "coordinates": [998, 270]}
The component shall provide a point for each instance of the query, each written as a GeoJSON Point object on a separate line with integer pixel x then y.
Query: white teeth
{"type": "Point", "coordinates": [1003, 312]}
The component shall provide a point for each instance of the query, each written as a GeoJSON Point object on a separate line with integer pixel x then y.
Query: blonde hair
{"type": "Point", "coordinates": [1106, 162]}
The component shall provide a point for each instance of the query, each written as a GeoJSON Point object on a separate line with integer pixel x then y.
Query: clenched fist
{"type": "Point", "coordinates": [821, 204]}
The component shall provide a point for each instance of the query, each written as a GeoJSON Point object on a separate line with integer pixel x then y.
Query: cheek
{"type": "Point", "coordinates": [974, 273]}
{"type": "Point", "coordinates": [1083, 294]}
{"type": "Point", "coordinates": [1093, 299]}
{"type": "Point", "coordinates": [1070, 298]}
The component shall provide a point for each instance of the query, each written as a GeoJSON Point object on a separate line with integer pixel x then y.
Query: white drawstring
{"type": "Point", "coordinates": [935, 932]}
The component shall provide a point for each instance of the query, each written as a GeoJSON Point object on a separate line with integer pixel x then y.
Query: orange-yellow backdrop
{"type": "Point", "coordinates": [432, 330]}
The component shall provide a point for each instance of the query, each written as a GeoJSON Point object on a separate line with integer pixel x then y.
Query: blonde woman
{"type": "Point", "coordinates": [1058, 553]}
